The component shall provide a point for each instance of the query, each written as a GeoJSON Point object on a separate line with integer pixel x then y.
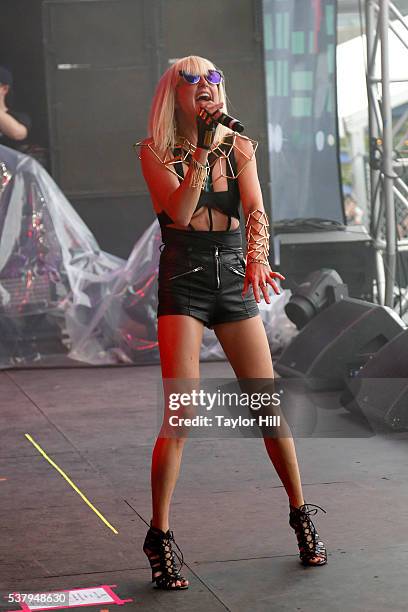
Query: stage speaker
{"type": "Point", "coordinates": [338, 342]}
{"type": "Point", "coordinates": [379, 392]}
{"type": "Point", "coordinates": [349, 252]}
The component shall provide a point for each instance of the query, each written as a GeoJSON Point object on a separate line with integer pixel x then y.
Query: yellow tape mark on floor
{"type": "Point", "coordinates": [69, 481]}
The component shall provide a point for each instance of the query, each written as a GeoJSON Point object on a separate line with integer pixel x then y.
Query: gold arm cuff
{"type": "Point", "coordinates": [199, 174]}
{"type": "Point", "coordinates": [257, 236]}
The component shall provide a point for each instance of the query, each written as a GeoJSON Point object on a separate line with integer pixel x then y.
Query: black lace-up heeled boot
{"type": "Point", "coordinates": [158, 549]}
{"type": "Point", "coordinates": [312, 550]}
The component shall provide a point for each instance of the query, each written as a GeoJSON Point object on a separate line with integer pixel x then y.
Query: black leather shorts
{"type": "Point", "coordinates": [201, 274]}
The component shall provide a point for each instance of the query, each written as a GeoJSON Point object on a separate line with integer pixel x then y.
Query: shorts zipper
{"type": "Point", "coordinates": [236, 271]}
{"type": "Point", "coordinates": [188, 272]}
{"type": "Point", "coordinates": [217, 262]}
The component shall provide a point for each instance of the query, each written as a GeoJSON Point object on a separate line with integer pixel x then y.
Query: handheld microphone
{"type": "Point", "coordinates": [229, 122]}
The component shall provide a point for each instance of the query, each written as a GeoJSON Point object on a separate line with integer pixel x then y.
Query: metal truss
{"type": "Point", "coordinates": [388, 191]}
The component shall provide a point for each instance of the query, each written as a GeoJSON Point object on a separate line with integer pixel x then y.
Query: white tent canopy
{"type": "Point", "coordinates": [351, 78]}
{"type": "Point", "coordinates": [352, 97]}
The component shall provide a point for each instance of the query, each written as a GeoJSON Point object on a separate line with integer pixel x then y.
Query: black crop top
{"type": "Point", "coordinates": [225, 201]}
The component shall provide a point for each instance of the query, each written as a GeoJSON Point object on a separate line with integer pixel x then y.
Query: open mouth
{"type": "Point", "coordinates": [204, 95]}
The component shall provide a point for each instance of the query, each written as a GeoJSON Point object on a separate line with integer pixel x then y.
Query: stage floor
{"type": "Point", "coordinates": [229, 512]}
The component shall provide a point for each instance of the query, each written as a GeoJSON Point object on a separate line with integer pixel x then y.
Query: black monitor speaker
{"type": "Point", "coordinates": [379, 392]}
{"type": "Point", "coordinates": [336, 343]}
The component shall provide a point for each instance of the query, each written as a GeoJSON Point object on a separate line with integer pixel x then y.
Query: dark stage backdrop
{"type": "Point", "coordinates": [103, 60]}
{"type": "Point", "coordinates": [300, 67]}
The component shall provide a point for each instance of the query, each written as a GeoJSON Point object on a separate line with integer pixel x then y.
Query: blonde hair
{"type": "Point", "coordinates": [162, 125]}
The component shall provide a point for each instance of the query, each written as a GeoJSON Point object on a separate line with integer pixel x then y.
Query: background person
{"type": "Point", "coordinates": [14, 125]}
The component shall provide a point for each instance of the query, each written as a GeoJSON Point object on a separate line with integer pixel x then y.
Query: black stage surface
{"type": "Point", "coordinates": [229, 513]}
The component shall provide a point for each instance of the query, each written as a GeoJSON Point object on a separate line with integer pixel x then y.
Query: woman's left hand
{"type": "Point", "coordinates": [260, 276]}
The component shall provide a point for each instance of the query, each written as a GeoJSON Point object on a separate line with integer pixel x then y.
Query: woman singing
{"type": "Point", "coordinates": [198, 172]}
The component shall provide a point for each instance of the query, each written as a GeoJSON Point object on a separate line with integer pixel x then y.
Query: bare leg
{"type": "Point", "coordinates": [180, 338]}
{"type": "Point", "coordinates": [282, 453]}
{"type": "Point", "coordinates": [246, 345]}
{"type": "Point", "coordinates": [166, 460]}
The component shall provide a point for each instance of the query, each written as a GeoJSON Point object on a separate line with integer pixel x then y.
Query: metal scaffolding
{"type": "Point", "coordinates": [386, 186]}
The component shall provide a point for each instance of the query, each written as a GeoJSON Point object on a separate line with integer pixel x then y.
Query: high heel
{"type": "Point", "coordinates": [310, 546]}
{"type": "Point", "coordinates": [158, 549]}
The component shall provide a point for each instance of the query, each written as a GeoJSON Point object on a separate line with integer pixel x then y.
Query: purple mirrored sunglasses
{"type": "Point", "coordinates": [214, 77]}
